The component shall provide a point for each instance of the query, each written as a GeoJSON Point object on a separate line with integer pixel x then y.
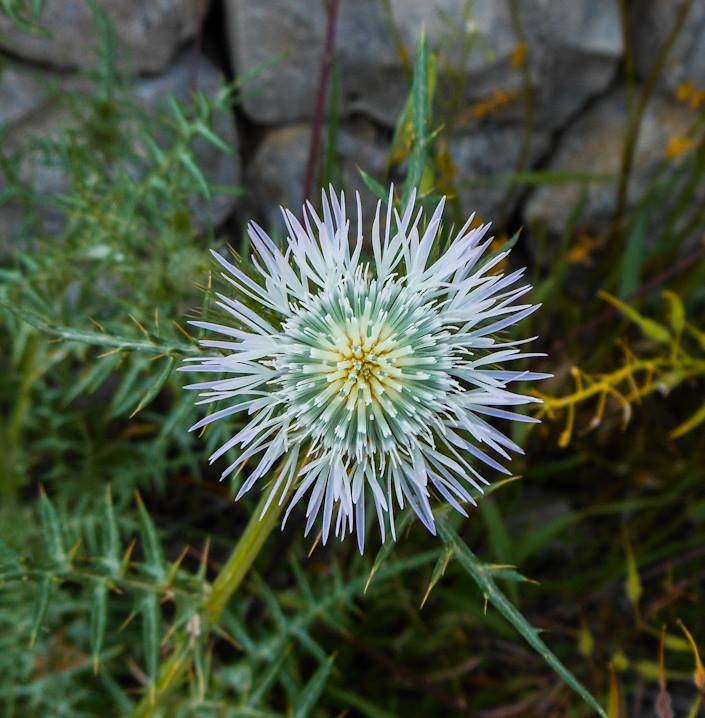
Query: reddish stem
{"type": "Point", "coordinates": [326, 63]}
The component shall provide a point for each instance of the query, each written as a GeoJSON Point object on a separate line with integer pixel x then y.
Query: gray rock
{"type": "Point", "coordinates": [20, 94]}
{"type": "Point", "coordinates": [651, 22]}
{"type": "Point", "coordinates": [147, 33]}
{"type": "Point", "coordinates": [594, 146]}
{"type": "Point", "coordinates": [573, 51]}
{"type": "Point", "coordinates": [478, 156]}
{"type": "Point", "coordinates": [33, 110]}
{"type": "Point", "coordinates": [277, 172]}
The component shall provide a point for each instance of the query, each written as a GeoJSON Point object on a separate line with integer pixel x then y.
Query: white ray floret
{"type": "Point", "coordinates": [370, 383]}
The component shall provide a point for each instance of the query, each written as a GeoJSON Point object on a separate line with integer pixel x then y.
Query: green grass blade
{"type": "Point", "coordinates": [634, 256]}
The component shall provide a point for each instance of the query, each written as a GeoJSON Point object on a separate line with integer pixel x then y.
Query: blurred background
{"type": "Point", "coordinates": [134, 137]}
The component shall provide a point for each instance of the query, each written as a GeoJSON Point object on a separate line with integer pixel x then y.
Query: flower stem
{"type": "Point", "coordinates": [230, 577]}
{"type": "Point", "coordinates": [223, 588]}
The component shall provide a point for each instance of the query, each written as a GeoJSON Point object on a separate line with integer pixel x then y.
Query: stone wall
{"type": "Point", "coordinates": [553, 66]}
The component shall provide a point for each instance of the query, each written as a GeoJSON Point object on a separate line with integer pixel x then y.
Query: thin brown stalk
{"type": "Point", "coordinates": [326, 63]}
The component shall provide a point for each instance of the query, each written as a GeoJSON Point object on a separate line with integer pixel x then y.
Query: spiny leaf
{"type": "Point", "coordinates": [151, 632]}
{"type": "Point", "coordinates": [52, 530]}
{"type": "Point", "coordinates": [484, 580]}
{"type": "Point", "coordinates": [95, 338]}
{"type": "Point", "coordinates": [41, 603]}
{"type": "Point", "coordinates": [151, 545]}
{"type": "Point", "coordinates": [99, 618]}
{"type": "Point", "coordinates": [193, 169]}
{"type": "Point", "coordinates": [407, 123]}
{"type": "Point", "coordinates": [100, 370]}
{"type": "Point", "coordinates": [438, 570]}
{"type": "Point", "coordinates": [386, 548]}
{"type": "Point", "coordinates": [111, 536]}
{"type": "Point", "coordinates": [181, 122]}
{"type": "Point", "coordinates": [174, 567]}
{"type": "Point", "coordinates": [126, 557]}
{"type": "Point", "coordinates": [126, 394]}
{"type": "Point", "coordinates": [206, 132]}
{"type": "Point", "coordinates": [270, 674]}
{"type": "Point", "coordinates": [374, 186]}
{"type": "Point", "coordinates": [507, 572]}
{"type": "Point", "coordinates": [156, 385]}
{"type": "Point", "coordinates": [310, 695]}
{"type": "Point", "coordinates": [122, 703]}
{"type": "Point", "coordinates": [420, 120]}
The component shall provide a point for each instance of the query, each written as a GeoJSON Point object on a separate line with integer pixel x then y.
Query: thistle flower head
{"type": "Point", "coordinates": [371, 382]}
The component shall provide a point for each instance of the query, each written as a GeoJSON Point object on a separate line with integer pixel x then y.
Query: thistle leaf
{"type": "Point", "coordinates": [485, 582]}
{"type": "Point", "coordinates": [41, 604]}
{"type": "Point", "coordinates": [52, 530]}
{"type": "Point", "coordinates": [151, 544]}
{"type": "Point", "coordinates": [310, 695]}
{"type": "Point", "coordinates": [99, 619]}
{"type": "Point", "coordinates": [151, 633]}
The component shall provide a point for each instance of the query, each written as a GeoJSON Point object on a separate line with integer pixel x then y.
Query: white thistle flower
{"type": "Point", "coordinates": [371, 382]}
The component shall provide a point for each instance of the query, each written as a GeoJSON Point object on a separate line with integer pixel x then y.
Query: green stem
{"type": "Point", "coordinates": [223, 588]}
{"type": "Point", "coordinates": [242, 558]}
